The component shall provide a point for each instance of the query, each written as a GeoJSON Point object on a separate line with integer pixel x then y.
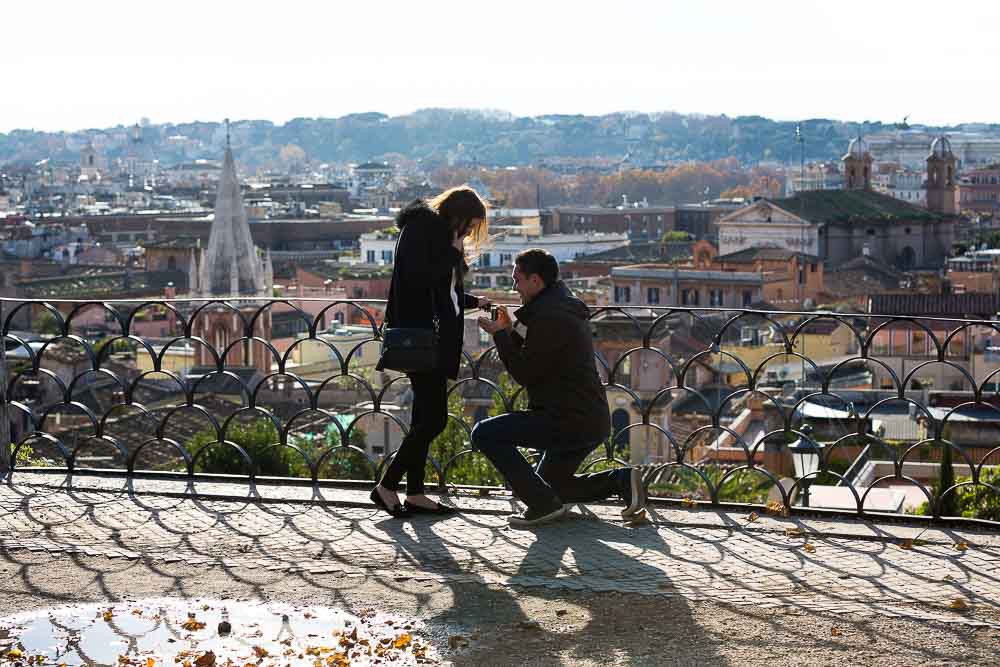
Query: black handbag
{"type": "Point", "coordinates": [410, 349]}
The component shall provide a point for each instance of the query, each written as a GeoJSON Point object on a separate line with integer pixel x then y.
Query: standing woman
{"type": "Point", "coordinates": [430, 258]}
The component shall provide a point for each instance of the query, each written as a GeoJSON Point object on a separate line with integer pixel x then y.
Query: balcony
{"type": "Point", "coordinates": [219, 399]}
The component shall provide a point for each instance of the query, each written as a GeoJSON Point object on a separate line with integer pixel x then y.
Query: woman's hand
{"type": "Point", "coordinates": [458, 242]}
{"type": "Point", "coordinates": [483, 303]}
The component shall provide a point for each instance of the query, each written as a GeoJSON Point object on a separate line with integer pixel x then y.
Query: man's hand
{"type": "Point", "coordinates": [483, 303]}
{"type": "Point", "coordinates": [502, 322]}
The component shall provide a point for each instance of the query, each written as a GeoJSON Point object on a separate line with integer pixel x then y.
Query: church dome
{"type": "Point", "coordinates": [941, 148]}
{"type": "Point", "coordinates": [857, 148]}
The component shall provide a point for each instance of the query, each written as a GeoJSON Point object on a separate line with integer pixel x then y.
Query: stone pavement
{"type": "Point", "coordinates": [842, 566]}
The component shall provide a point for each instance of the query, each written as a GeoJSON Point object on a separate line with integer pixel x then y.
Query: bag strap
{"type": "Point", "coordinates": [395, 287]}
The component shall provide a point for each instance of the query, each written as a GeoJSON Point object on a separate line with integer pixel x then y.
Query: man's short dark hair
{"type": "Point", "coordinates": [540, 263]}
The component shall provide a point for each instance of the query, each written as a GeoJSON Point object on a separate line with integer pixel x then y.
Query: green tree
{"type": "Point", "coordinates": [471, 468]}
{"type": "Point", "coordinates": [346, 464]}
{"type": "Point", "coordinates": [742, 487]}
{"type": "Point", "coordinates": [974, 501]}
{"type": "Point", "coordinates": [946, 479]}
{"type": "Point", "coordinates": [47, 323]}
{"type": "Point", "coordinates": [674, 236]}
{"type": "Point", "coordinates": [255, 438]}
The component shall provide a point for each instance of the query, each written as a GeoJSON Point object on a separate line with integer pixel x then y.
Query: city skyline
{"type": "Point", "coordinates": [850, 62]}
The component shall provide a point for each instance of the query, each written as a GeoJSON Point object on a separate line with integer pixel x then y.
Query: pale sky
{"type": "Point", "coordinates": [73, 65]}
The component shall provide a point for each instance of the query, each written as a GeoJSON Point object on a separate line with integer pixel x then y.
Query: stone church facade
{"type": "Point", "coordinates": [840, 225]}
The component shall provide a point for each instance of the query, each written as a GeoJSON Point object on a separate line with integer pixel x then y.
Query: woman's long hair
{"type": "Point", "coordinates": [460, 206]}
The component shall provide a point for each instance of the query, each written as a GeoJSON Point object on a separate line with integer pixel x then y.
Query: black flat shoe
{"type": "Point", "coordinates": [396, 510]}
{"type": "Point", "coordinates": [419, 509]}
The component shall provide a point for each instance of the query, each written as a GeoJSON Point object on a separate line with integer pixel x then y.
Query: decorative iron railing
{"type": "Point", "coordinates": [710, 399]}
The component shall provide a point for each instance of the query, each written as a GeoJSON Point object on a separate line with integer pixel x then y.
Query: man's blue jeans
{"type": "Point", "coordinates": [554, 482]}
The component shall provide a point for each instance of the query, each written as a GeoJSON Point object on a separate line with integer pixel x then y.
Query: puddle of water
{"type": "Point", "coordinates": [210, 633]}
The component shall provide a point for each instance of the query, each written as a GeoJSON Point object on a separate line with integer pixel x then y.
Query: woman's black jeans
{"type": "Point", "coordinates": [429, 417]}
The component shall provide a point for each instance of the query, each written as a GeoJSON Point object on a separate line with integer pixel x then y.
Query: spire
{"type": "Point", "coordinates": [227, 135]}
{"type": "Point", "coordinates": [230, 246]}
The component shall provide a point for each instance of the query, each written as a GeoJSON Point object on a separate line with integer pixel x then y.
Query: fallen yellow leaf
{"type": "Point", "coordinates": [808, 547]}
{"type": "Point", "coordinates": [108, 615]}
{"type": "Point", "coordinates": [260, 652]}
{"type": "Point", "coordinates": [906, 544]}
{"type": "Point", "coordinates": [793, 532]}
{"type": "Point", "coordinates": [835, 632]}
{"type": "Point", "coordinates": [192, 624]}
{"type": "Point", "coordinates": [961, 546]}
{"type": "Point", "coordinates": [14, 653]}
{"type": "Point", "coordinates": [753, 517]}
{"type": "Point", "coordinates": [207, 659]}
{"type": "Point", "coordinates": [959, 603]}
{"type": "Point", "coordinates": [402, 641]}
{"type": "Point", "coordinates": [687, 502]}
{"type": "Point", "coordinates": [150, 662]}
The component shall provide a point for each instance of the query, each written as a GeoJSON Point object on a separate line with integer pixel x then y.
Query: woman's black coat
{"type": "Point", "coordinates": [423, 261]}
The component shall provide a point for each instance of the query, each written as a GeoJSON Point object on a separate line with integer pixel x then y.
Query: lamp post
{"type": "Point", "coordinates": [806, 454]}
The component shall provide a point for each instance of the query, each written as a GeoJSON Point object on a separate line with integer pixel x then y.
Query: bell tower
{"type": "Point", "coordinates": [941, 177]}
{"type": "Point", "coordinates": [857, 166]}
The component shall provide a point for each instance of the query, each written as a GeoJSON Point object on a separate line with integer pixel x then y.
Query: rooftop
{"type": "Point", "coordinates": [668, 272]}
{"type": "Point", "coordinates": [971, 305]}
{"type": "Point", "coordinates": [750, 255]}
{"type": "Point", "coordinates": [852, 206]}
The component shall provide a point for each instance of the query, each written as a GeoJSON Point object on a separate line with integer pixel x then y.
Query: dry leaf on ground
{"type": "Point", "coordinates": [206, 659]}
{"type": "Point", "coordinates": [808, 547]}
{"type": "Point", "coordinates": [774, 507]}
{"type": "Point", "coordinates": [402, 641]}
{"type": "Point", "coordinates": [192, 624]}
{"type": "Point", "coordinates": [959, 604]}
{"type": "Point", "coordinates": [906, 544]}
{"type": "Point", "coordinates": [687, 502]}
{"type": "Point", "coordinates": [835, 632]}
{"type": "Point", "coordinates": [961, 546]}
{"type": "Point", "coordinates": [793, 532]}
{"type": "Point", "coordinates": [753, 517]}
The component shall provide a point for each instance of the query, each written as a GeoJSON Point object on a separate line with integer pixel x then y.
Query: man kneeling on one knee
{"type": "Point", "coordinates": [568, 416]}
